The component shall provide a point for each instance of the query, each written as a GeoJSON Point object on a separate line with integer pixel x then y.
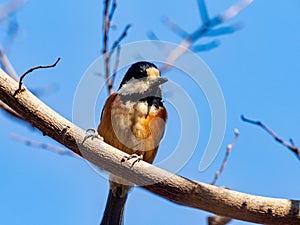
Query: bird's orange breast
{"type": "Point", "coordinates": [133, 127]}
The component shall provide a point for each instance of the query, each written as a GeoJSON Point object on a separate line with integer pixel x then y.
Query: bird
{"type": "Point", "coordinates": [133, 120]}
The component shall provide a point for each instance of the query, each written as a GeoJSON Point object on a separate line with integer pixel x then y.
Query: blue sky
{"type": "Point", "coordinates": [256, 67]}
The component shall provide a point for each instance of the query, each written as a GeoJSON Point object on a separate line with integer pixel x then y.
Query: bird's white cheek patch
{"type": "Point", "coordinates": [142, 108]}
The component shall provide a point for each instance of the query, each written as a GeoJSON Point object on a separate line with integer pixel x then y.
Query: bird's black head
{"type": "Point", "coordinates": [140, 70]}
{"type": "Point", "coordinates": [142, 83]}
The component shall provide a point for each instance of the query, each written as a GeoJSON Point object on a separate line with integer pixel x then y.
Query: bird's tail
{"type": "Point", "coordinates": [114, 209]}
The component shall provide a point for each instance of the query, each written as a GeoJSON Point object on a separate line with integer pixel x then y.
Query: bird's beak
{"type": "Point", "coordinates": [158, 81]}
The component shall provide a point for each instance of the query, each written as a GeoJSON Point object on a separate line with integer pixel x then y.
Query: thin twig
{"type": "Point", "coordinates": [228, 151]}
{"type": "Point", "coordinates": [112, 11]}
{"type": "Point", "coordinates": [106, 27]}
{"type": "Point", "coordinates": [175, 27]}
{"type": "Point", "coordinates": [117, 46]}
{"type": "Point", "coordinates": [107, 21]}
{"type": "Point", "coordinates": [291, 146]}
{"type": "Point", "coordinates": [120, 38]}
{"type": "Point", "coordinates": [117, 62]}
{"type": "Point", "coordinates": [208, 28]}
{"type": "Point", "coordinates": [31, 70]}
{"type": "Point", "coordinates": [160, 45]}
{"type": "Point", "coordinates": [46, 90]}
{"type": "Point", "coordinates": [10, 111]}
{"type": "Point", "coordinates": [206, 47]}
{"type": "Point", "coordinates": [235, 9]}
{"type": "Point", "coordinates": [7, 66]}
{"type": "Point", "coordinates": [217, 219]}
{"type": "Point", "coordinates": [292, 142]}
{"type": "Point", "coordinates": [45, 146]}
{"type": "Point", "coordinates": [203, 11]}
{"type": "Point", "coordinates": [6, 10]}
{"type": "Point", "coordinates": [225, 30]}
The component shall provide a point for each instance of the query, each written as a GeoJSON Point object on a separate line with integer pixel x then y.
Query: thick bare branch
{"type": "Point", "coordinates": [172, 187]}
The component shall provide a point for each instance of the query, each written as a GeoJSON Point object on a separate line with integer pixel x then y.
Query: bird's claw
{"type": "Point", "coordinates": [92, 133]}
{"type": "Point", "coordinates": [134, 156]}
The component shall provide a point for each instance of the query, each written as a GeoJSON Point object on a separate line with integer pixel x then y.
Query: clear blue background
{"type": "Point", "coordinates": [257, 68]}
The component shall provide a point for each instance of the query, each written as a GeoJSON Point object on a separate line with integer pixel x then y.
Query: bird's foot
{"type": "Point", "coordinates": [136, 158]}
{"type": "Point", "coordinates": [92, 133]}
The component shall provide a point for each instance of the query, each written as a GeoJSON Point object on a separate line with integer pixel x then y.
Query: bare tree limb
{"type": "Point", "coordinates": [172, 187]}
{"type": "Point", "coordinates": [291, 146]}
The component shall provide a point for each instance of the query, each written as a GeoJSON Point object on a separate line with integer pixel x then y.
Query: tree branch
{"type": "Point", "coordinates": [33, 69]}
{"type": "Point", "coordinates": [107, 21]}
{"type": "Point", "coordinates": [106, 28]}
{"type": "Point", "coordinates": [210, 27]}
{"type": "Point", "coordinates": [172, 187]}
{"type": "Point", "coordinates": [290, 146]}
{"type": "Point", "coordinates": [45, 146]}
